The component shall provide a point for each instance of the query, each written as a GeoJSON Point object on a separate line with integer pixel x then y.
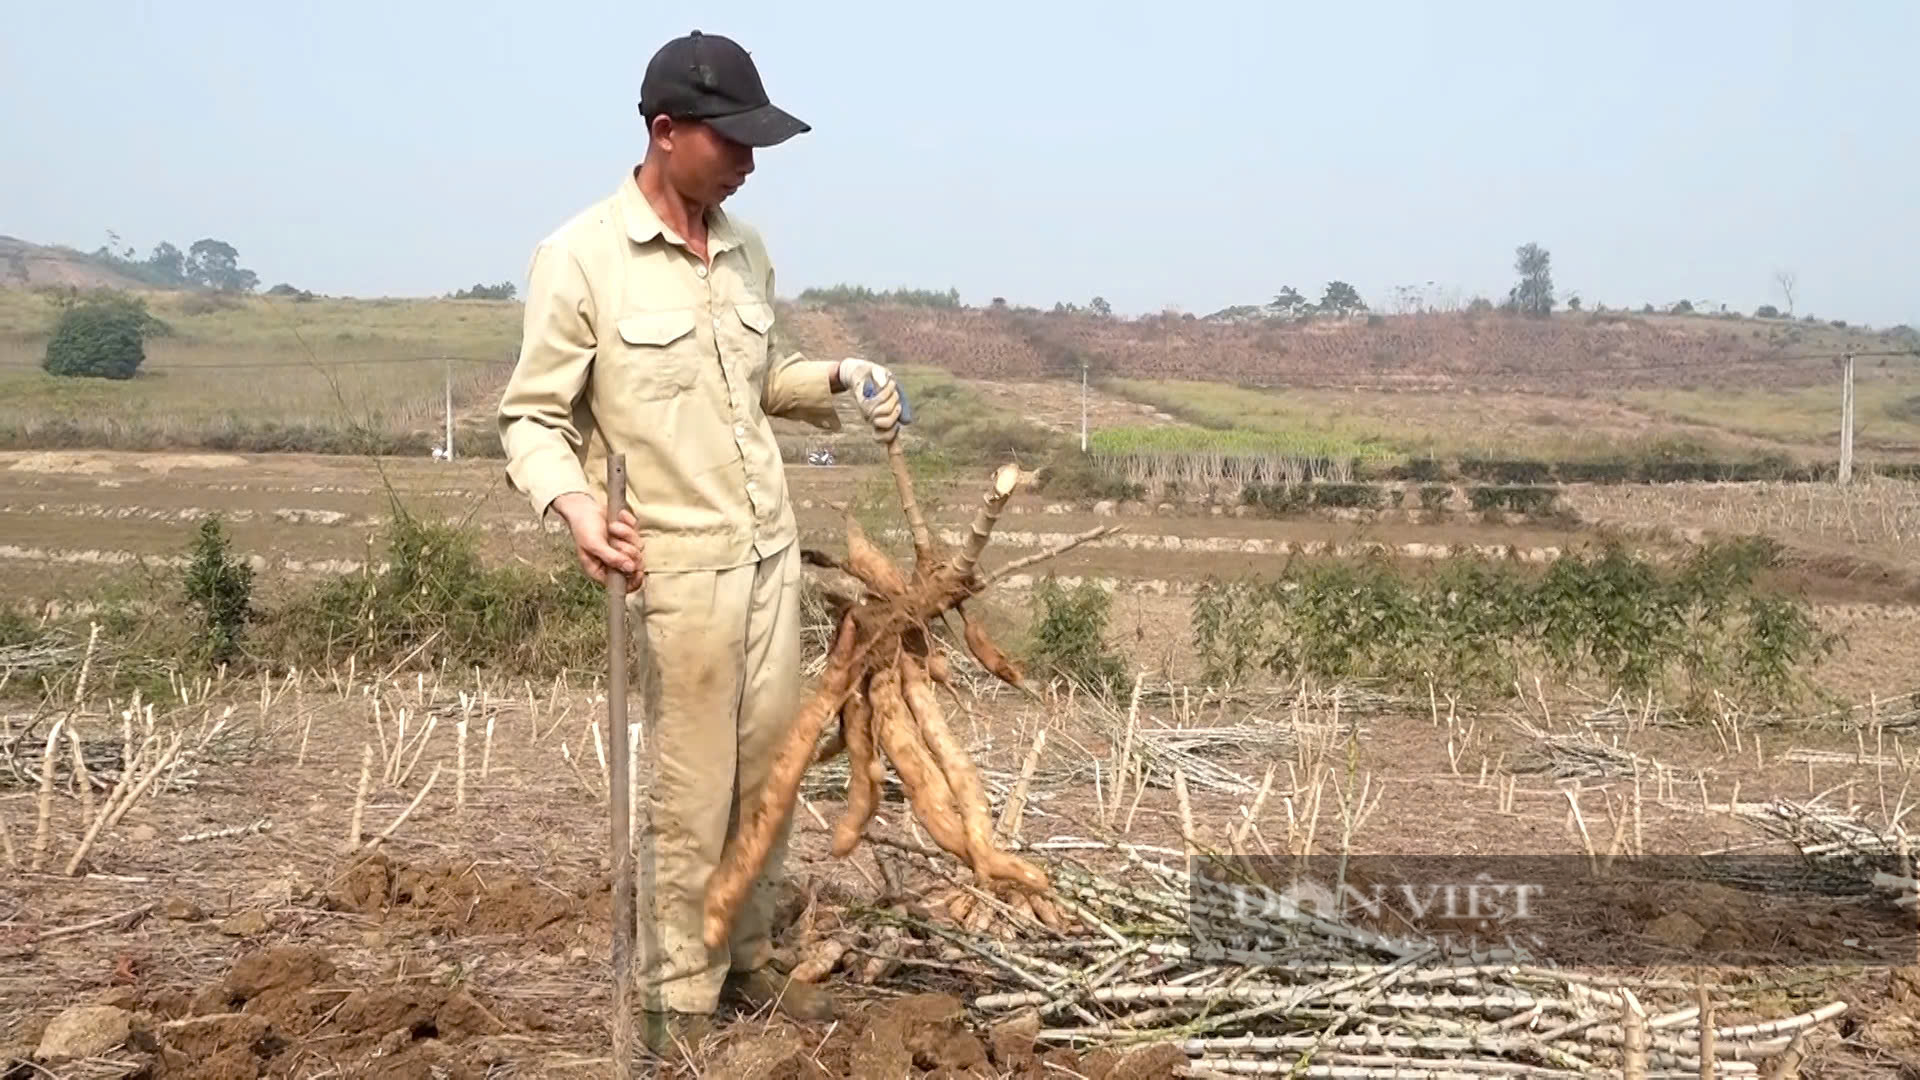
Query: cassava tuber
{"type": "Point", "coordinates": [881, 667]}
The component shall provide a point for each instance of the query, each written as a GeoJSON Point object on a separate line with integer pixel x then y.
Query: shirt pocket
{"type": "Point", "coordinates": [755, 335]}
{"type": "Point", "coordinates": [659, 353]}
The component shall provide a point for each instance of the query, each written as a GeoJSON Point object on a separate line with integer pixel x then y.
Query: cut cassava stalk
{"type": "Point", "coordinates": [1006, 480]}
{"type": "Point", "coordinates": [746, 850]}
{"type": "Point", "coordinates": [923, 555]}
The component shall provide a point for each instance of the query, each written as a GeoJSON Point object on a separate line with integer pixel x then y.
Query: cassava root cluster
{"type": "Point", "coordinates": [879, 679]}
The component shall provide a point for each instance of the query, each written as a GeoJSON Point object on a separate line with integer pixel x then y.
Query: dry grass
{"type": "Point", "coordinates": [1873, 516]}
{"type": "Point", "coordinates": [1886, 409]}
{"type": "Point", "coordinates": [1445, 423]}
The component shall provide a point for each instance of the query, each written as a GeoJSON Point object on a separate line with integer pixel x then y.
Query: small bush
{"type": "Point", "coordinates": [219, 593]}
{"type": "Point", "coordinates": [1505, 470]}
{"type": "Point", "coordinates": [436, 596]}
{"type": "Point", "coordinates": [1275, 498]}
{"type": "Point", "coordinates": [1435, 496]}
{"type": "Point", "coordinates": [98, 339]}
{"type": "Point", "coordinates": [16, 629]}
{"type": "Point", "coordinates": [1070, 474]}
{"type": "Point", "coordinates": [1703, 626]}
{"type": "Point", "coordinates": [1422, 469]}
{"type": "Point", "coordinates": [1069, 637]}
{"type": "Point", "coordinates": [1531, 499]}
{"type": "Point", "coordinates": [1349, 496]}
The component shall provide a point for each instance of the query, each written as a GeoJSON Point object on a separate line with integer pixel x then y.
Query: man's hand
{"type": "Point", "coordinates": [601, 545]}
{"type": "Point", "coordinates": [882, 410]}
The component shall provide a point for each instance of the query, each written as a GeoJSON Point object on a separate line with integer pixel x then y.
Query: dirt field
{"type": "Point", "coordinates": [473, 941]}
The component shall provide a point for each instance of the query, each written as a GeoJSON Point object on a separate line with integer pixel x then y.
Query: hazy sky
{"type": "Point", "coordinates": [1196, 153]}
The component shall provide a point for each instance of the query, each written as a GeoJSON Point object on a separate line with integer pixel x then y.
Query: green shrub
{"type": "Point", "coordinates": [1069, 637]}
{"type": "Point", "coordinates": [1505, 470]}
{"type": "Point", "coordinates": [102, 339]}
{"type": "Point", "coordinates": [1070, 474]}
{"type": "Point", "coordinates": [1275, 498]}
{"type": "Point", "coordinates": [1349, 496]}
{"type": "Point", "coordinates": [17, 629]}
{"type": "Point", "coordinates": [435, 600]}
{"type": "Point", "coordinates": [219, 594]}
{"type": "Point", "coordinates": [1436, 496]}
{"type": "Point", "coordinates": [1530, 499]}
{"type": "Point", "coordinates": [1703, 626]}
{"type": "Point", "coordinates": [1423, 469]}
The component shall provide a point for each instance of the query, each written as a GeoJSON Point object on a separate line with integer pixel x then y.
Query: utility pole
{"type": "Point", "coordinates": [449, 408]}
{"type": "Point", "coordinates": [1083, 406]}
{"type": "Point", "coordinates": [1846, 423]}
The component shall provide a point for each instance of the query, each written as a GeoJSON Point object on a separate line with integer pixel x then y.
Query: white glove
{"type": "Point", "coordinates": [882, 410]}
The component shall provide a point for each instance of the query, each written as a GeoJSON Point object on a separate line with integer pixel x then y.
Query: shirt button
{"type": "Point", "coordinates": [700, 271]}
{"type": "Point", "coordinates": [740, 430]}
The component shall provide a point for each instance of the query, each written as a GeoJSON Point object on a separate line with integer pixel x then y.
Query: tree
{"type": "Point", "coordinates": [1788, 282]}
{"type": "Point", "coordinates": [1573, 303]}
{"type": "Point", "coordinates": [1288, 303]}
{"type": "Point", "coordinates": [1683, 307]}
{"type": "Point", "coordinates": [102, 339]}
{"type": "Point", "coordinates": [503, 291]}
{"type": "Point", "coordinates": [168, 262]}
{"type": "Point", "coordinates": [216, 264]}
{"type": "Point", "coordinates": [219, 591]}
{"type": "Point", "coordinates": [1766, 311]}
{"type": "Point", "coordinates": [1099, 306]}
{"type": "Point", "coordinates": [1533, 296]}
{"type": "Point", "coordinates": [1341, 298]}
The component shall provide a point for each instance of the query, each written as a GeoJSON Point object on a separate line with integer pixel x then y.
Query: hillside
{"type": "Point", "coordinates": [25, 265]}
{"type": "Point", "coordinates": [1569, 352]}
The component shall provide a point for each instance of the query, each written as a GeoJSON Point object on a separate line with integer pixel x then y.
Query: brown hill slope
{"type": "Point", "coordinates": [25, 265]}
{"type": "Point", "coordinates": [1569, 352]}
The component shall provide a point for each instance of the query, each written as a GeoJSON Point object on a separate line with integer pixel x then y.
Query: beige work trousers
{"type": "Point", "coordinates": [720, 682]}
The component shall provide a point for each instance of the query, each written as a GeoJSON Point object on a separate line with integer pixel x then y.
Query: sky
{"type": "Point", "coordinates": [1193, 155]}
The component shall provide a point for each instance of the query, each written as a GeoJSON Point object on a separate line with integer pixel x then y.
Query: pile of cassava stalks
{"type": "Point", "coordinates": [880, 673]}
{"type": "Point", "coordinates": [1140, 955]}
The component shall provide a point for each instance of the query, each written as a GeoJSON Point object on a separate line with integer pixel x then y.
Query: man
{"type": "Point", "coordinates": [650, 331]}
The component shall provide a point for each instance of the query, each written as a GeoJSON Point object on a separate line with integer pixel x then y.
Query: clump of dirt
{"type": "Point", "coordinates": [927, 1035]}
{"type": "Point", "coordinates": [456, 899]}
{"type": "Point", "coordinates": [254, 1022]}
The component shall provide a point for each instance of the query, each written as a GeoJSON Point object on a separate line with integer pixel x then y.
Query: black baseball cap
{"type": "Point", "coordinates": [711, 78]}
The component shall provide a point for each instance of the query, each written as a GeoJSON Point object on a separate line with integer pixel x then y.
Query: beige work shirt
{"type": "Point", "coordinates": [632, 345]}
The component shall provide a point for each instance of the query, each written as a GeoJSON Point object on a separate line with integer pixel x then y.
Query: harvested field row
{"type": "Point", "coordinates": [471, 942]}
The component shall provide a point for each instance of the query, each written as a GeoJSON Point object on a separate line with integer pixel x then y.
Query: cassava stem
{"type": "Point", "coordinates": [910, 507]}
{"type": "Point", "coordinates": [1006, 479]}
